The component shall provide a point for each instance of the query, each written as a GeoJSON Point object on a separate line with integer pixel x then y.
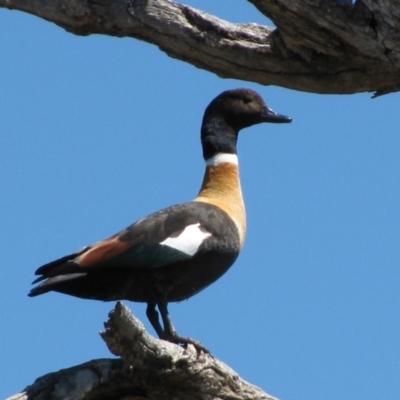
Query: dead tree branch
{"type": "Point", "coordinates": [150, 369]}
{"type": "Point", "coordinates": [321, 46]}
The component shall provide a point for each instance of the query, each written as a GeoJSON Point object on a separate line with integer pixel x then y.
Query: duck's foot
{"type": "Point", "coordinates": [184, 340]}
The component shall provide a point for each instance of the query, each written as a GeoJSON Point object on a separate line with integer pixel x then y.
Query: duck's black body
{"type": "Point", "coordinates": [176, 252]}
{"type": "Point", "coordinates": [160, 272]}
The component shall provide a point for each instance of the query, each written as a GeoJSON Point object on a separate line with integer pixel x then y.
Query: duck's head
{"type": "Point", "coordinates": [230, 112]}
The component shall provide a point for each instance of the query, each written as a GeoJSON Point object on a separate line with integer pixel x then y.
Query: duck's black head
{"type": "Point", "coordinates": [230, 112]}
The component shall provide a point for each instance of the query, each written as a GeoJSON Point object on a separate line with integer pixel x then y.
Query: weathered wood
{"type": "Point", "coordinates": [150, 369]}
{"type": "Point", "coordinates": [321, 46]}
{"type": "Point", "coordinates": [91, 380]}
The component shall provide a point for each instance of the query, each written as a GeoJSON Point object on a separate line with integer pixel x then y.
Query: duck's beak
{"type": "Point", "coordinates": [269, 115]}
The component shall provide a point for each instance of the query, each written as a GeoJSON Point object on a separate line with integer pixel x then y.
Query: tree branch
{"type": "Point", "coordinates": [357, 44]}
{"type": "Point", "coordinates": [150, 369]}
{"type": "Point", "coordinates": [321, 46]}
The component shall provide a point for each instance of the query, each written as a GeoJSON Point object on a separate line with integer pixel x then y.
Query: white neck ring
{"type": "Point", "coordinates": [222, 158]}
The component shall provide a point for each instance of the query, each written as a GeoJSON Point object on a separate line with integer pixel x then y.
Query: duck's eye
{"type": "Point", "coordinates": [246, 99]}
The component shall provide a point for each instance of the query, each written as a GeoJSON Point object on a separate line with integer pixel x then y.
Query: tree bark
{"type": "Point", "coordinates": [150, 369]}
{"type": "Point", "coordinates": [320, 46]}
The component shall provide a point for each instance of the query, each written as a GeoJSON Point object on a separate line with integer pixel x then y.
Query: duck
{"type": "Point", "coordinates": [174, 253]}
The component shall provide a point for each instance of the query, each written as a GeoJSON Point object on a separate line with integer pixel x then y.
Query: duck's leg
{"type": "Point", "coordinates": [152, 315]}
{"type": "Point", "coordinates": [170, 333]}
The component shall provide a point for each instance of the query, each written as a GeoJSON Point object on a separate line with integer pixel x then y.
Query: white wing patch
{"type": "Point", "coordinates": [188, 240]}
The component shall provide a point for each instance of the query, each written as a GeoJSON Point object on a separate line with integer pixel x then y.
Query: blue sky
{"type": "Point", "coordinates": [98, 132]}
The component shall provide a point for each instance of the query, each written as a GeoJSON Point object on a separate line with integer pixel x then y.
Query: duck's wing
{"type": "Point", "coordinates": [169, 236]}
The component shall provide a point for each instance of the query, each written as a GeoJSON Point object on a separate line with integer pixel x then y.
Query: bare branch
{"type": "Point", "coordinates": [174, 372]}
{"type": "Point", "coordinates": [321, 46]}
{"type": "Point", "coordinates": [150, 369]}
